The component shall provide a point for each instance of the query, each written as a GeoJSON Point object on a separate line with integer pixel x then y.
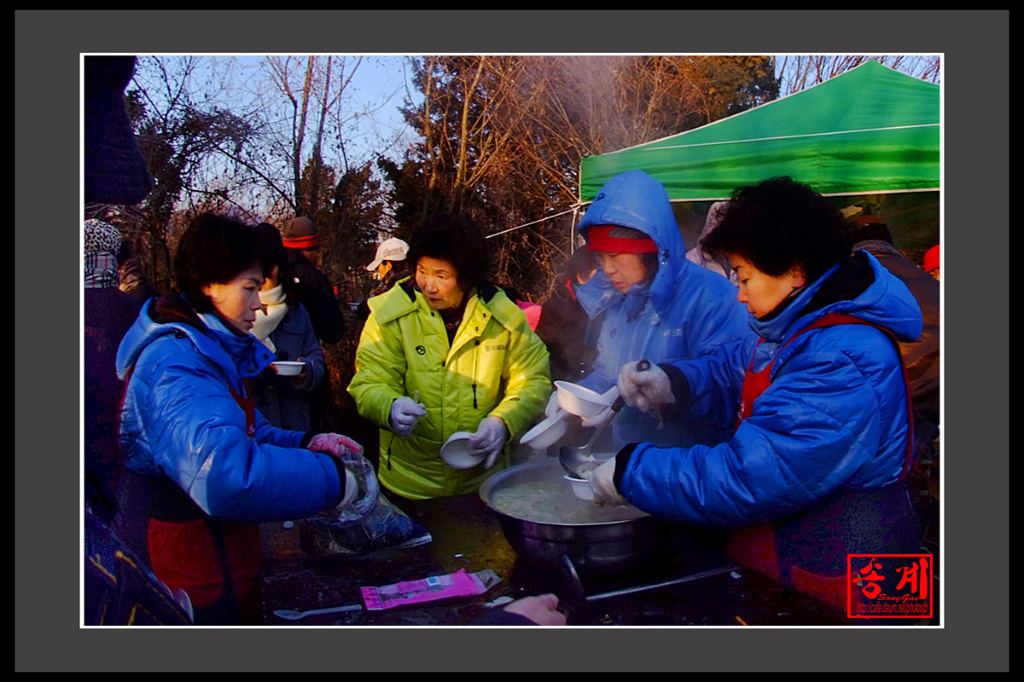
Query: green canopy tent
{"type": "Point", "coordinates": [870, 136]}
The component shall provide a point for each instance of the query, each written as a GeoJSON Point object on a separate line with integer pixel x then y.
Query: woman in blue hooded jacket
{"type": "Point", "coordinates": [817, 402]}
{"type": "Point", "coordinates": [203, 466]}
{"type": "Point", "coordinates": [668, 309]}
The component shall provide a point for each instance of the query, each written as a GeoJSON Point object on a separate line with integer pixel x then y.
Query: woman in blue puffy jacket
{"type": "Point", "coordinates": [203, 466]}
{"type": "Point", "coordinates": [657, 305]}
{"type": "Point", "coordinates": [817, 402]}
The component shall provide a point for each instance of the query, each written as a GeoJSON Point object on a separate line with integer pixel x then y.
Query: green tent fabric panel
{"type": "Point", "coordinates": [882, 161]}
{"type": "Point", "coordinates": [869, 130]}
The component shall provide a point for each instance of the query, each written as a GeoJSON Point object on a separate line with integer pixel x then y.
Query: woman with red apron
{"type": "Point", "coordinates": [203, 467]}
{"type": "Point", "coordinates": [814, 469]}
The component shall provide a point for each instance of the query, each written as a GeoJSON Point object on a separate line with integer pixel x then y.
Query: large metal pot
{"type": "Point", "coordinates": [542, 537]}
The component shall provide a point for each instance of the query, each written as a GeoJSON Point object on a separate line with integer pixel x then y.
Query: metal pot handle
{"type": "Point", "coordinates": [577, 597]}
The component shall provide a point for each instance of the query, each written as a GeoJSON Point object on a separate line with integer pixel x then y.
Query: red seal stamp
{"type": "Point", "coordinates": [890, 585]}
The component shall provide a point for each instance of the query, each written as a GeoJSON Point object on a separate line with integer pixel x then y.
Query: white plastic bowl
{"type": "Point", "coordinates": [582, 401]}
{"type": "Point", "coordinates": [288, 368]}
{"type": "Point", "coordinates": [456, 452]}
{"type": "Point", "coordinates": [580, 487]}
{"type": "Point", "coordinates": [546, 433]}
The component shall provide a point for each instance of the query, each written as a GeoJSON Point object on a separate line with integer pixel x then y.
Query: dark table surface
{"type": "Point", "coordinates": [687, 582]}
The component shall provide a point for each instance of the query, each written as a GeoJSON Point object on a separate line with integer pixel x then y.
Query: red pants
{"type": "Point", "coordinates": [185, 555]}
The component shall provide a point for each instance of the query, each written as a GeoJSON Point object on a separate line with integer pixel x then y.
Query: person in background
{"type": "Point", "coordinates": [697, 254]}
{"type": "Point", "coordinates": [313, 290]}
{"type": "Point", "coordinates": [202, 466]}
{"type": "Point", "coordinates": [442, 352]}
{"type": "Point", "coordinates": [531, 309]}
{"type": "Point", "coordinates": [284, 327]}
{"type": "Point", "coordinates": [391, 267]}
{"type": "Point", "coordinates": [921, 357]}
{"type": "Point", "coordinates": [115, 171]}
{"type": "Point", "coordinates": [656, 305]}
{"type": "Point", "coordinates": [108, 314]}
{"type": "Point", "coordinates": [931, 261]}
{"type": "Point", "coordinates": [134, 281]}
{"type": "Point", "coordinates": [117, 588]}
{"type": "Point", "coordinates": [817, 403]}
{"type": "Point", "coordinates": [390, 263]}
{"type": "Point", "coordinates": [570, 335]}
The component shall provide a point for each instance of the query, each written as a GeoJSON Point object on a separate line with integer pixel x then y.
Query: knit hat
{"type": "Point", "coordinates": [931, 258]}
{"type": "Point", "coordinates": [301, 233]}
{"type": "Point", "coordinates": [101, 244]}
{"type": "Point", "coordinates": [393, 249]}
{"type": "Point", "coordinates": [616, 239]}
{"type": "Point", "coordinates": [115, 170]}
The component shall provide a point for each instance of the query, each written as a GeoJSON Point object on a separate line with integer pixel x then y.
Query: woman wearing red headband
{"type": "Point", "coordinates": [657, 305]}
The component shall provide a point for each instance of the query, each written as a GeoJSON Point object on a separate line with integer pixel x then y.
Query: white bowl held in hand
{"type": "Point", "coordinates": [288, 368]}
{"type": "Point", "coordinates": [582, 401]}
{"type": "Point", "coordinates": [546, 433]}
{"type": "Point", "coordinates": [457, 454]}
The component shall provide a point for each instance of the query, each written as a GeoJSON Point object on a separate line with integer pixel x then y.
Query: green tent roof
{"type": "Point", "coordinates": [869, 130]}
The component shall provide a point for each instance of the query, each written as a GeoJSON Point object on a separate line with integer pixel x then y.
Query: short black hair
{"type": "Point", "coordinates": [779, 223]}
{"type": "Point", "coordinates": [276, 255]}
{"type": "Point", "coordinates": [457, 240]}
{"type": "Point", "coordinates": [214, 250]}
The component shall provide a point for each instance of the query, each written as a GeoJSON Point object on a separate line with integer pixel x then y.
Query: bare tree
{"type": "Point", "coordinates": [180, 134]}
{"type": "Point", "coordinates": [798, 72]}
{"type": "Point", "coordinates": [502, 136]}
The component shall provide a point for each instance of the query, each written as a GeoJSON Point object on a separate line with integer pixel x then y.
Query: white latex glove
{"type": "Point", "coordinates": [351, 490]}
{"type": "Point", "coordinates": [335, 444]}
{"type": "Point", "coordinates": [489, 439]}
{"type": "Point", "coordinates": [602, 482]}
{"type": "Point", "coordinates": [552, 409]}
{"type": "Point", "coordinates": [610, 396]}
{"type": "Point", "coordinates": [361, 488]}
{"type": "Point", "coordinates": [647, 390]}
{"type": "Point", "coordinates": [405, 412]}
{"type": "Point", "coordinates": [597, 420]}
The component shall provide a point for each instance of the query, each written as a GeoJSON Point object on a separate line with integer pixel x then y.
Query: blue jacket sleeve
{"type": "Point", "coordinates": [715, 380]}
{"type": "Point", "coordinates": [813, 430]}
{"type": "Point", "coordinates": [197, 434]}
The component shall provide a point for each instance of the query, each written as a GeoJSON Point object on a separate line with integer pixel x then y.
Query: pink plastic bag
{"type": "Point", "coordinates": [433, 588]}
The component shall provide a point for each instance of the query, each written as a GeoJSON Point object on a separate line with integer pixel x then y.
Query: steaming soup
{"type": "Point", "coordinates": [551, 500]}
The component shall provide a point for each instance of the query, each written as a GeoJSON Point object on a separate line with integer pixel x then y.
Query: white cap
{"type": "Point", "coordinates": [392, 249]}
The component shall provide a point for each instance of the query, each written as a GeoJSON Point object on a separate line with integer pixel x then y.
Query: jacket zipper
{"type": "Point", "coordinates": [476, 367]}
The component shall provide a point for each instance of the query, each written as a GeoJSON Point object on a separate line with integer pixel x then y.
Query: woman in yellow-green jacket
{"type": "Point", "coordinates": [446, 351]}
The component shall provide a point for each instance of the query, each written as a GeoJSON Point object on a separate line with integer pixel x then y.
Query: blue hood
{"type": "Point", "coordinates": [238, 355]}
{"type": "Point", "coordinates": [636, 200]}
